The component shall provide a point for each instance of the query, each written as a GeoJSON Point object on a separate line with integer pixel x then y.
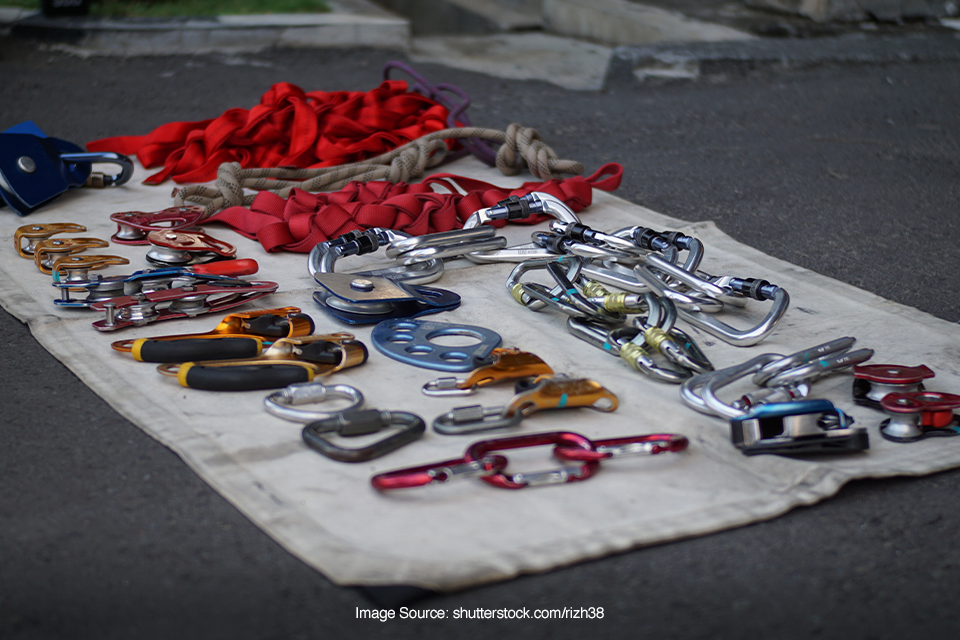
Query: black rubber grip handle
{"type": "Point", "coordinates": [245, 377]}
{"type": "Point", "coordinates": [198, 349]}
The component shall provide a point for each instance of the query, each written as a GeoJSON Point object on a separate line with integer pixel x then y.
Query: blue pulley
{"type": "Point", "coordinates": [35, 168]}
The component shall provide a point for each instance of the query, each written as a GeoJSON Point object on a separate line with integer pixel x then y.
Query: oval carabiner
{"type": "Point", "coordinates": [282, 403]}
{"type": "Point", "coordinates": [643, 445]}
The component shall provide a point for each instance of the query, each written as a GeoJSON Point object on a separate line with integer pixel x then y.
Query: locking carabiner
{"type": "Point", "coordinates": [656, 332]}
{"type": "Point", "coordinates": [517, 208]}
{"type": "Point", "coordinates": [506, 364]}
{"type": "Point", "coordinates": [324, 256]}
{"type": "Point", "coordinates": [284, 403]}
{"type": "Point", "coordinates": [727, 290]}
{"type": "Point", "coordinates": [444, 244]}
{"type": "Point", "coordinates": [360, 423]}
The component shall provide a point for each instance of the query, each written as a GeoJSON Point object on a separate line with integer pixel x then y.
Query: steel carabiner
{"type": "Point", "coordinates": [324, 256]}
{"type": "Point", "coordinates": [283, 403]}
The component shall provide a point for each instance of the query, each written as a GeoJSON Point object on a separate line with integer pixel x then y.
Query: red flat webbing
{"type": "Point", "coordinates": [304, 219]}
{"type": "Point", "coordinates": [289, 128]}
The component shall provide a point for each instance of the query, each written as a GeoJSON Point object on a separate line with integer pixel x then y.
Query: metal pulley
{"type": "Point", "coordinates": [920, 414]}
{"type": "Point", "coordinates": [797, 428]}
{"type": "Point", "coordinates": [133, 227]}
{"type": "Point", "coordinates": [36, 169]}
{"type": "Point", "coordinates": [873, 382]}
{"type": "Point", "coordinates": [179, 248]}
{"type": "Point", "coordinates": [357, 299]}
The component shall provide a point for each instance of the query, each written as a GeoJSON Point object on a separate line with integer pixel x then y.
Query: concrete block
{"type": "Point", "coordinates": [859, 10]}
{"type": "Point", "coordinates": [619, 22]}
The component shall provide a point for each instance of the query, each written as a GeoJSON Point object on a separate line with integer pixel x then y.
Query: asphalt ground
{"type": "Point", "coordinates": [849, 169]}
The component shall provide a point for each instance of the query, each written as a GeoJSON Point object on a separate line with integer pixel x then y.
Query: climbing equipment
{"type": "Point", "coordinates": [544, 392]}
{"type": "Point", "coordinates": [481, 460]}
{"type": "Point", "coordinates": [239, 335]}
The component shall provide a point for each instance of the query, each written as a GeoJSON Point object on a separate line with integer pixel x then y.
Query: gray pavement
{"type": "Point", "coordinates": [847, 165]}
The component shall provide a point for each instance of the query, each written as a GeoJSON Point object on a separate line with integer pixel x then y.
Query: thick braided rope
{"type": "Point", "coordinates": [520, 148]}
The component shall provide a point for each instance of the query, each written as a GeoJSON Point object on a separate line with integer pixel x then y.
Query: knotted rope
{"type": "Point", "coordinates": [520, 147]}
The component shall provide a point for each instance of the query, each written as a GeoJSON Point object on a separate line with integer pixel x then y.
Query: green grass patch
{"type": "Point", "coordinates": [171, 8]}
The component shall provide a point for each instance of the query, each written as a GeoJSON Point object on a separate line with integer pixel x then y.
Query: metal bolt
{"type": "Point", "coordinates": [26, 164]}
{"type": "Point", "coordinates": [110, 308]}
{"type": "Point", "coordinates": [361, 284]}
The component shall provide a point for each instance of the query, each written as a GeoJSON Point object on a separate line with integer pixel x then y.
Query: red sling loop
{"type": "Point", "coordinates": [304, 219]}
{"type": "Point", "coordinates": [288, 128]}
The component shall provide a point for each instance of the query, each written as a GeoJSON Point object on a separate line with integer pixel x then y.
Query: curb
{"type": "Point", "coordinates": [358, 27]}
{"type": "Point", "coordinates": [691, 60]}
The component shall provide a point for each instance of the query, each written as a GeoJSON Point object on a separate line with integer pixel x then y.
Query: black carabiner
{"type": "Point", "coordinates": [360, 423]}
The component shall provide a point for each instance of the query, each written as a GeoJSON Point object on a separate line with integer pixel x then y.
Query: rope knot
{"type": "Point", "coordinates": [523, 148]}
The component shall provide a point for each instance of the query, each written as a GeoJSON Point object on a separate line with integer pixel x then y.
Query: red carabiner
{"type": "Point", "coordinates": [647, 444]}
{"type": "Point", "coordinates": [438, 472]}
{"type": "Point", "coordinates": [587, 468]}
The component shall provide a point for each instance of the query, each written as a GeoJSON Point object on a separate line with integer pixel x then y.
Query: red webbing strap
{"type": "Point", "coordinates": [289, 128]}
{"type": "Point", "coordinates": [304, 219]}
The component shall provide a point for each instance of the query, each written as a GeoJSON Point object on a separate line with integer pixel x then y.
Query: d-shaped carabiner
{"type": "Point", "coordinates": [517, 208]}
{"type": "Point", "coordinates": [324, 256]}
{"type": "Point", "coordinates": [655, 333]}
{"type": "Point", "coordinates": [360, 423]}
